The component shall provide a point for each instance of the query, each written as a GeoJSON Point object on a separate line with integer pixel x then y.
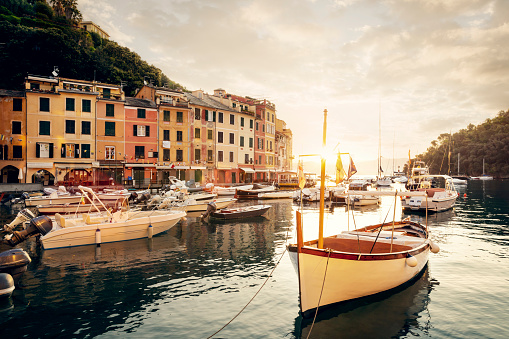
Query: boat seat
{"type": "Point", "coordinates": [60, 220]}
{"type": "Point", "coordinates": [352, 246]}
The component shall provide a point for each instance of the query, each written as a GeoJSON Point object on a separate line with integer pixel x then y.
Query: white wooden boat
{"type": "Point", "coordinates": [190, 205]}
{"type": "Point", "coordinates": [67, 208]}
{"type": "Point", "coordinates": [362, 200]}
{"type": "Point", "coordinates": [97, 228]}
{"type": "Point", "coordinates": [253, 192]}
{"type": "Point", "coordinates": [52, 199]}
{"type": "Point", "coordinates": [113, 196]}
{"type": "Point", "coordinates": [458, 181]}
{"type": "Point", "coordinates": [240, 212]}
{"type": "Point", "coordinates": [230, 190]}
{"type": "Point", "coordinates": [201, 196]}
{"type": "Point", "coordinates": [439, 189]}
{"type": "Point", "coordinates": [275, 195]}
{"type": "Point", "coordinates": [356, 264]}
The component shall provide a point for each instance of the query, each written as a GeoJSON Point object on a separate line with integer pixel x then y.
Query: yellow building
{"type": "Point", "coordinates": [61, 132]}
{"type": "Point", "coordinates": [12, 136]}
{"type": "Point", "coordinates": [283, 150]}
{"type": "Point", "coordinates": [92, 27]}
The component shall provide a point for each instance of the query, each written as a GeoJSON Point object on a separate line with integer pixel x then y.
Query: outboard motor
{"type": "Point", "coordinates": [39, 225]}
{"type": "Point", "coordinates": [23, 215]}
{"type": "Point", "coordinates": [14, 262]}
{"type": "Point", "coordinates": [6, 285]}
{"type": "Point", "coordinates": [211, 208]}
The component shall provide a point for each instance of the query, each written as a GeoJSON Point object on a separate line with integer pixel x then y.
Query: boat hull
{"type": "Point", "coordinates": [240, 213]}
{"type": "Point", "coordinates": [135, 228]}
{"type": "Point", "coordinates": [35, 201]}
{"type": "Point", "coordinates": [276, 195]}
{"type": "Point", "coordinates": [202, 205]}
{"type": "Point", "coordinates": [433, 205]}
{"type": "Point", "coordinates": [349, 277]}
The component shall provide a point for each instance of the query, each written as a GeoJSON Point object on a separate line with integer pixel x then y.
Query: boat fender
{"type": "Point", "coordinates": [434, 247]}
{"type": "Point", "coordinates": [98, 237]}
{"type": "Point", "coordinates": [411, 261]}
{"type": "Point", "coordinates": [150, 231]}
{"type": "Point", "coordinates": [6, 284]}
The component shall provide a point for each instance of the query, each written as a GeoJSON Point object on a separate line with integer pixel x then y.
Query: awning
{"type": "Point", "coordinates": [140, 165]}
{"type": "Point", "coordinates": [39, 165]}
{"type": "Point", "coordinates": [74, 166]}
{"type": "Point", "coordinates": [248, 170]}
{"type": "Point", "coordinates": [198, 167]}
{"type": "Point", "coordinates": [261, 170]}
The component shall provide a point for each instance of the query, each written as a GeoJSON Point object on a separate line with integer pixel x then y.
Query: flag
{"type": "Point", "coordinates": [340, 171]}
{"type": "Point", "coordinates": [302, 178]}
{"type": "Point", "coordinates": [351, 169]}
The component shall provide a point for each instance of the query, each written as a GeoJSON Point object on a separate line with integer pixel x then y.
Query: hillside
{"type": "Point", "coordinates": [489, 140]}
{"type": "Point", "coordinates": [33, 40]}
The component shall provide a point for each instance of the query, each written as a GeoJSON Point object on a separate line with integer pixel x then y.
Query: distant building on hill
{"type": "Point", "coordinates": [92, 27]}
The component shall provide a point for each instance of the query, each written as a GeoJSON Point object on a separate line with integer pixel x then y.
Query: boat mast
{"type": "Point", "coordinates": [322, 182]}
{"type": "Point", "coordinates": [379, 139]}
{"type": "Point", "coordinates": [458, 164]}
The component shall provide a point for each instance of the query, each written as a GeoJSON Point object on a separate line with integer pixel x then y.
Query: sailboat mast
{"type": "Point", "coordinates": [458, 164]}
{"type": "Point", "coordinates": [379, 139]}
{"type": "Point", "coordinates": [322, 182]}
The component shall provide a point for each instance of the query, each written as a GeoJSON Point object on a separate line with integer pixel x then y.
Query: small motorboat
{"type": "Point", "coordinates": [234, 213]}
{"type": "Point", "coordinates": [230, 190]}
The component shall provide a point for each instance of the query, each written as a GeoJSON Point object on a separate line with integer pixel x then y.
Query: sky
{"type": "Point", "coordinates": [394, 73]}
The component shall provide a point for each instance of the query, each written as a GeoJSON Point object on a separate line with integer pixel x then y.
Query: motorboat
{"type": "Point", "coordinates": [104, 226]}
{"type": "Point", "coordinates": [234, 213]}
{"type": "Point", "coordinates": [364, 199]}
{"type": "Point", "coordinates": [53, 199]}
{"type": "Point", "coordinates": [14, 262]}
{"type": "Point", "coordinates": [113, 195]}
{"type": "Point", "coordinates": [191, 205]}
{"type": "Point", "coordinates": [254, 191]}
{"type": "Point", "coordinates": [68, 208]}
{"type": "Point", "coordinates": [459, 181]}
{"type": "Point", "coordinates": [383, 181]}
{"type": "Point", "coordinates": [276, 195]}
{"type": "Point", "coordinates": [230, 190]}
{"type": "Point", "coordinates": [358, 263]}
{"type": "Point", "coordinates": [438, 188]}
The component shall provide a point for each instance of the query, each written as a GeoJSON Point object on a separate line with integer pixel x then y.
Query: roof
{"type": "Point", "coordinates": [11, 93]}
{"type": "Point", "coordinates": [208, 102]}
{"type": "Point", "coordinates": [145, 103]}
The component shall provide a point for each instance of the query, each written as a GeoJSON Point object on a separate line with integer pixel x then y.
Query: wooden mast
{"type": "Point", "coordinates": [322, 182]}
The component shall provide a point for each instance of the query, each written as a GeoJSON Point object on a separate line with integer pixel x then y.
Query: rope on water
{"type": "Point", "coordinates": [243, 308]}
{"type": "Point", "coordinates": [321, 291]}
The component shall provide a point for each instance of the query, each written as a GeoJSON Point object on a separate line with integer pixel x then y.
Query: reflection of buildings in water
{"type": "Point", "coordinates": [391, 314]}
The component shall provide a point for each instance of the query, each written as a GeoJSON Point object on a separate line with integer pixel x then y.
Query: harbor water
{"type": "Point", "coordinates": [194, 279]}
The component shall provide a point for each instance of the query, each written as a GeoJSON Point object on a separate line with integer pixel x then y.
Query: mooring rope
{"type": "Point", "coordinates": [243, 308]}
{"type": "Point", "coordinates": [321, 291]}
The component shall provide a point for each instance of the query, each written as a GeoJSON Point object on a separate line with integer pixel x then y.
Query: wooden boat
{"type": "Point", "coordinates": [438, 188]}
{"type": "Point", "coordinates": [201, 205]}
{"type": "Point", "coordinates": [113, 195]}
{"type": "Point", "coordinates": [360, 263]}
{"type": "Point", "coordinates": [52, 199]}
{"type": "Point", "coordinates": [240, 212]}
{"type": "Point", "coordinates": [253, 192]}
{"type": "Point", "coordinates": [276, 195]}
{"type": "Point", "coordinates": [87, 229]}
{"type": "Point", "coordinates": [68, 208]}
{"type": "Point", "coordinates": [230, 190]}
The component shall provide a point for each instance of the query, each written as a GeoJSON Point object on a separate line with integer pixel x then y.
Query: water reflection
{"type": "Point", "coordinates": [386, 316]}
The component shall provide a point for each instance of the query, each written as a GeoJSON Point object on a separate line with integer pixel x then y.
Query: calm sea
{"type": "Point", "coordinates": [192, 280]}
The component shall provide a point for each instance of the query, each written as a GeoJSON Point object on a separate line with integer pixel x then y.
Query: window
{"type": "Point", "coordinates": [241, 141]}
{"type": "Point", "coordinates": [16, 127]}
{"type": "Point", "coordinates": [220, 137]}
{"type": "Point", "coordinates": [251, 141]}
{"type": "Point", "coordinates": [260, 159]}
{"type": "Point", "coordinates": [70, 126]}
{"type": "Point", "coordinates": [272, 117]}
{"type": "Point", "coordinates": [69, 104]}
{"type": "Point", "coordinates": [232, 119]}
{"type": "Point", "coordinates": [166, 116]}
{"type": "Point", "coordinates": [85, 150]}
{"type": "Point", "coordinates": [220, 156]}
{"type": "Point", "coordinates": [44, 104]}
{"type": "Point", "coordinates": [232, 138]}
{"type": "Point", "coordinates": [17, 105]}
{"type": "Point", "coordinates": [180, 117]}
{"type": "Point", "coordinates": [197, 153]}
{"type": "Point", "coordinates": [43, 150]}
{"type": "Point", "coordinates": [179, 135]}
{"type": "Point", "coordinates": [242, 121]}
{"type": "Point", "coordinates": [268, 145]}
{"type": "Point", "coordinates": [220, 117]}
{"type": "Point", "coordinates": [271, 145]}
{"type": "Point", "coordinates": [263, 128]}
{"type": "Point", "coordinates": [139, 152]}
{"type": "Point", "coordinates": [85, 127]}
{"type": "Point", "coordinates": [106, 93]}
{"type": "Point", "coordinates": [197, 115]}
{"type": "Point", "coordinates": [44, 128]}
{"type": "Point", "coordinates": [109, 153]}
{"type": "Point", "coordinates": [109, 128]}
{"type": "Point", "coordinates": [153, 154]}
{"type": "Point", "coordinates": [246, 158]}
{"type": "Point", "coordinates": [268, 116]}
{"type": "Point", "coordinates": [17, 152]}
{"type": "Point", "coordinates": [35, 87]}
{"type": "Point", "coordinates": [209, 155]}
{"type": "Point", "coordinates": [209, 134]}
{"type": "Point", "coordinates": [110, 110]}
{"type": "Point", "coordinates": [231, 156]}
{"type": "Point", "coordinates": [260, 143]}
{"type": "Point", "coordinates": [141, 113]}
{"type": "Point", "coordinates": [86, 105]}
{"type": "Point", "coordinates": [180, 155]}
{"type": "Point", "coordinates": [257, 126]}
{"type": "Point", "coordinates": [250, 123]}
{"type": "Point", "coordinates": [166, 134]}
{"type": "Point", "coordinates": [141, 131]}
{"type": "Point", "coordinates": [70, 151]}
{"type": "Point", "coordinates": [166, 154]}
{"type": "Point", "coordinates": [197, 133]}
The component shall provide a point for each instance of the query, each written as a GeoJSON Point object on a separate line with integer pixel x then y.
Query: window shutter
{"type": "Point", "coordinates": [147, 131]}
{"type": "Point", "coordinates": [77, 150]}
{"type": "Point", "coordinates": [37, 150]}
{"type": "Point", "coordinates": [206, 115]}
{"type": "Point", "coordinates": [214, 116]}
{"type": "Point", "coordinates": [62, 151]}
{"type": "Point", "coordinates": [50, 150]}
{"type": "Point", "coordinates": [135, 130]}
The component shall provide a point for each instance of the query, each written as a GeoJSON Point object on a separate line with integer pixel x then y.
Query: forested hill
{"type": "Point", "coordinates": [36, 36]}
{"type": "Point", "coordinates": [489, 140]}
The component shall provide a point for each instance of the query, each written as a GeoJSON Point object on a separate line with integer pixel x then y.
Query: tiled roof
{"type": "Point", "coordinates": [129, 101]}
{"type": "Point", "coordinates": [10, 93]}
{"type": "Point", "coordinates": [207, 102]}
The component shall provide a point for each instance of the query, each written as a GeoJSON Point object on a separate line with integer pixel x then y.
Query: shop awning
{"type": "Point", "coordinates": [74, 166]}
{"type": "Point", "coordinates": [140, 165]}
{"type": "Point", "coordinates": [198, 167]}
{"type": "Point", "coordinates": [248, 170]}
